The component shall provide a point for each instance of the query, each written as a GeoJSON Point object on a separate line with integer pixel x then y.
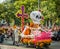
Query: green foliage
{"type": "Point", "coordinates": [30, 5]}
{"type": "Point", "coordinates": [50, 8]}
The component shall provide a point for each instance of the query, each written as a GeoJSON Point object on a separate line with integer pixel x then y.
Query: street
{"type": "Point", "coordinates": [54, 45]}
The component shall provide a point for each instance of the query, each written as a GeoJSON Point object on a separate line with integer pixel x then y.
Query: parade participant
{"type": "Point", "coordinates": [19, 32]}
{"type": "Point", "coordinates": [15, 35]}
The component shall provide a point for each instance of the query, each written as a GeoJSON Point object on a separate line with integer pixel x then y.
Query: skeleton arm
{"type": "Point", "coordinates": [22, 34]}
{"type": "Point", "coordinates": [26, 36]}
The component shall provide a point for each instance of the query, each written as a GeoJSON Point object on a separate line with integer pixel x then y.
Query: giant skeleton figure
{"type": "Point", "coordinates": [28, 32]}
{"type": "Point", "coordinates": [34, 34]}
{"type": "Point", "coordinates": [36, 16]}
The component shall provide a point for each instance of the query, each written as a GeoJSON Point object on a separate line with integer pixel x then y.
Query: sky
{"type": "Point", "coordinates": [1, 1]}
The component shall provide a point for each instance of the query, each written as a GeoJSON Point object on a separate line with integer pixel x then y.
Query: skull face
{"type": "Point", "coordinates": [36, 17]}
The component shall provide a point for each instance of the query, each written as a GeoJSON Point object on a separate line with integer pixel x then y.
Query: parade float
{"type": "Point", "coordinates": [34, 35]}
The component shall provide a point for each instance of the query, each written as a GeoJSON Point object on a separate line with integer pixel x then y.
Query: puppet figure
{"type": "Point", "coordinates": [33, 33]}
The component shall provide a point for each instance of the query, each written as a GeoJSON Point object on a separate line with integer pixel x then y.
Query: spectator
{"type": "Point", "coordinates": [58, 35]}
{"type": "Point", "coordinates": [1, 36]}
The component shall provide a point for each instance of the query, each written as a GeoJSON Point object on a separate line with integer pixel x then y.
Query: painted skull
{"type": "Point", "coordinates": [36, 16]}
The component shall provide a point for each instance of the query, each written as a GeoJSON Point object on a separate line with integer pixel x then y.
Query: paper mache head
{"type": "Point", "coordinates": [36, 16]}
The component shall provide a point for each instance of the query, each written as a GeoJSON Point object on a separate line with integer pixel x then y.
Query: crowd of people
{"type": "Point", "coordinates": [7, 32]}
{"type": "Point", "coordinates": [14, 32]}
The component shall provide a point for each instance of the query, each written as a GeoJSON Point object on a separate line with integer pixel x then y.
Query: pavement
{"type": "Point", "coordinates": [7, 44]}
{"type": "Point", "coordinates": [54, 45]}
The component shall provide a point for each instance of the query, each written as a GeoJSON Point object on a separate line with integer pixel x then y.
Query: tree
{"type": "Point", "coordinates": [49, 10]}
{"type": "Point", "coordinates": [58, 11]}
{"type": "Point", "coordinates": [48, 7]}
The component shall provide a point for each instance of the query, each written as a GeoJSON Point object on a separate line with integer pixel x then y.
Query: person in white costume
{"type": "Point", "coordinates": [15, 35]}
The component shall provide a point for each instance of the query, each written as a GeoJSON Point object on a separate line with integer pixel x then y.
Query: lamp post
{"type": "Point", "coordinates": [38, 4]}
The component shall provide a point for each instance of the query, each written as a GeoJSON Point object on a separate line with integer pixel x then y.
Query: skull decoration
{"type": "Point", "coordinates": [36, 16]}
